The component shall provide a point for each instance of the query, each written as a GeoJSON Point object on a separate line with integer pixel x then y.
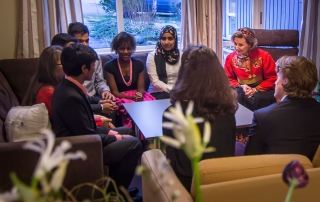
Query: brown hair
{"type": "Point", "coordinates": [301, 73]}
{"type": "Point", "coordinates": [45, 74]}
{"type": "Point", "coordinates": [249, 35]}
{"type": "Point", "coordinates": [202, 79]}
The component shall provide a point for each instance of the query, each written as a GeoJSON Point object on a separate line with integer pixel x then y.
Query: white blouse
{"type": "Point", "coordinates": [156, 85]}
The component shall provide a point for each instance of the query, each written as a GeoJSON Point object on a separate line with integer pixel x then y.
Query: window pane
{"type": "Point", "coordinates": [290, 13]}
{"type": "Point", "coordinates": [144, 18]}
{"type": "Point", "coordinates": [141, 18]}
{"type": "Point", "coordinates": [232, 25]}
{"type": "Point", "coordinates": [232, 6]}
{"type": "Point", "coordinates": [101, 21]}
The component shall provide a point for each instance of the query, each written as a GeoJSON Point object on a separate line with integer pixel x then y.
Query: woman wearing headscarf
{"type": "Point", "coordinates": [251, 71]}
{"type": "Point", "coordinates": [163, 63]}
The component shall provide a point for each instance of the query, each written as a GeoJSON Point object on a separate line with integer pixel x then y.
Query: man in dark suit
{"type": "Point", "coordinates": [101, 100]}
{"type": "Point", "coordinates": [292, 125]}
{"type": "Point", "coordinates": [72, 115]}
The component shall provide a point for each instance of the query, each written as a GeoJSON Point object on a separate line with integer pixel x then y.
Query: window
{"type": "Point", "coordinates": [259, 14]}
{"type": "Point", "coordinates": [230, 17]}
{"type": "Point", "coordinates": [141, 18]}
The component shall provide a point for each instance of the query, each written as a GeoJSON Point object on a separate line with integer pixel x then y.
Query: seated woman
{"type": "Point", "coordinates": [125, 75]}
{"type": "Point", "coordinates": [163, 64]}
{"type": "Point", "coordinates": [251, 71]}
{"type": "Point", "coordinates": [46, 78]}
{"type": "Point", "coordinates": [202, 79]}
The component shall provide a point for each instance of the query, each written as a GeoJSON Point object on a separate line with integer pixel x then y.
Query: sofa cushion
{"type": "Point", "coordinates": [7, 100]}
{"type": "Point", "coordinates": [18, 73]}
{"type": "Point", "coordinates": [24, 123]}
{"type": "Point", "coordinates": [262, 189]}
{"type": "Point", "coordinates": [233, 168]}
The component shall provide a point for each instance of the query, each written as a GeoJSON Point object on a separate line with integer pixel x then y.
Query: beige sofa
{"type": "Point", "coordinates": [243, 178]}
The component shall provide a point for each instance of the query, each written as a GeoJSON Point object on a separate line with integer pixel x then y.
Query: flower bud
{"type": "Point", "coordinates": [294, 170]}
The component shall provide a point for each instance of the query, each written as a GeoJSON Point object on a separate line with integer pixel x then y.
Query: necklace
{"type": "Point", "coordinates": [124, 81]}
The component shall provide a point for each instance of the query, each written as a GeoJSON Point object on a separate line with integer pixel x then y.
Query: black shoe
{"type": "Point", "coordinates": [133, 191]}
{"type": "Point", "coordinates": [137, 198]}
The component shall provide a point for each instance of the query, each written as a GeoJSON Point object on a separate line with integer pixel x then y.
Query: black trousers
{"type": "Point", "coordinates": [161, 95]}
{"type": "Point", "coordinates": [122, 157]}
{"type": "Point", "coordinates": [259, 100]}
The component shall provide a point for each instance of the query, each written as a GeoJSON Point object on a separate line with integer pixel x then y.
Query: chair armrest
{"type": "Point", "coordinates": [234, 168]}
{"type": "Point", "coordinates": [13, 158]}
{"type": "Point", "coordinates": [240, 167]}
{"type": "Point", "coordinates": [91, 169]}
{"type": "Point", "coordinates": [155, 183]}
{"type": "Point", "coordinates": [263, 189]}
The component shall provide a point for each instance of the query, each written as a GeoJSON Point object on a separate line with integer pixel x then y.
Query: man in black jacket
{"type": "Point", "coordinates": [290, 126]}
{"type": "Point", "coordinates": [72, 115]}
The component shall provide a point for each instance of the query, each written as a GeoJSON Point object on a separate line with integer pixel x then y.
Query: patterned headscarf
{"type": "Point", "coordinates": [172, 56]}
{"type": "Point", "coordinates": [162, 56]}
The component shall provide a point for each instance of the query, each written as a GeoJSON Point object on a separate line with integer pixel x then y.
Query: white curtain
{"type": "Point", "coordinates": [310, 31]}
{"type": "Point", "coordinates": [201, 23]}
{"type": "Point", "coordinates": [40, 20]}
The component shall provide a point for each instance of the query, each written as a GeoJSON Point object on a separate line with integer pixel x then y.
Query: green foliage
{"type": "Point", "coordinates": [106, 28]}
{"type": "Point", "coordinates": [130, 7]}
{"type": "Point", "coordinates": [108, 5]}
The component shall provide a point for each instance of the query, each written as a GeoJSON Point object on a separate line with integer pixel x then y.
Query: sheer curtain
{"type": "Point", "coordinates": [310, 31]}
{"type": "Point", "coordinates": [40, 20]}
{"type": "Point", "coordinates": [201, 23]}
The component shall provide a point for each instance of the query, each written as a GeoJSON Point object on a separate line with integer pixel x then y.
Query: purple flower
{"type": "Point", "coordinates": [294, 170]}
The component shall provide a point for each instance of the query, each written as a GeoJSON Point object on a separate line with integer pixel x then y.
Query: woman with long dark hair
{"type": "Point", "coordinates": [202, 79]}
{"type": "Point", "coordinates": [46, 78]}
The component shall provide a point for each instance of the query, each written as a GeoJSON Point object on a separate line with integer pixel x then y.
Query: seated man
{"type": "Point", "coordinates": [72, 115]}
{"type": "Point", "coordinates": [292, 125]}
{"type": "Point", "coordinates": [97, 87]}
{"type": "Point", "coordinates": [63, 39]}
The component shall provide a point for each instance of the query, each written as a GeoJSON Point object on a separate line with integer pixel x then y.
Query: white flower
{"type": "Point", "coordinates": [186, 131]}
{"type": "Point", "coordinates": [58, 176]}
{"type": "Point", "coordinates": [10, 196]}
{"type": "Point", "coordinates": [51, 159]}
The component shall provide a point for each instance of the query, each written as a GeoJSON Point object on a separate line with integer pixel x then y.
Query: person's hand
{"type": "Point", "coordinates": [246, 89]}
{"type": "Point", "coordinates": [138, 96]}
{"type": "Point", "coordinates": [106, 95]}
{"type": "Point", "coordinates": [126, 136]}
{"type": "Point", "coordinates": [249, 92]}
{"type": "Point", "coordinates": [106, 122]}
{"type": "Point", "coordinates": [108, 106]}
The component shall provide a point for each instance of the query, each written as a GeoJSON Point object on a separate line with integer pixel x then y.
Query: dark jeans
{"type": "Point", "coordinates": [259, 100]}
{"type": "Point", "coordinates": [161, 95]}
{"type": "Point", "coordinates": [122, 157]}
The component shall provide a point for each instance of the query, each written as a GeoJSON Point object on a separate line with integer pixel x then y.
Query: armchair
{"type": "Point", "coordinates": [242, 178]}
{"type": "Point", "coordinates": [13, 158]}
{"type": "Point", "coordinates": [278, 42]}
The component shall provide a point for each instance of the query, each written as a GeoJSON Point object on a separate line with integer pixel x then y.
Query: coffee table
{"type": "Point", "coordinates": [147, 116]}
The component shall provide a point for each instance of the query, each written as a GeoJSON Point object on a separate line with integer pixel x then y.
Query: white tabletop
{"type": "Point", "coordinates": [147, 115]}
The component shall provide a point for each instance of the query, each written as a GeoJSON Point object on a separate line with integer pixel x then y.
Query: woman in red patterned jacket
{"type": "Point", "coordinates": [251, 71]}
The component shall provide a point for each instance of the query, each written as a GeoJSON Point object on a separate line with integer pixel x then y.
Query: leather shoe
{"type": "Point", "coordinates": [137, 198]}
{"type": "Point", "coordinates": [133, 191]}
